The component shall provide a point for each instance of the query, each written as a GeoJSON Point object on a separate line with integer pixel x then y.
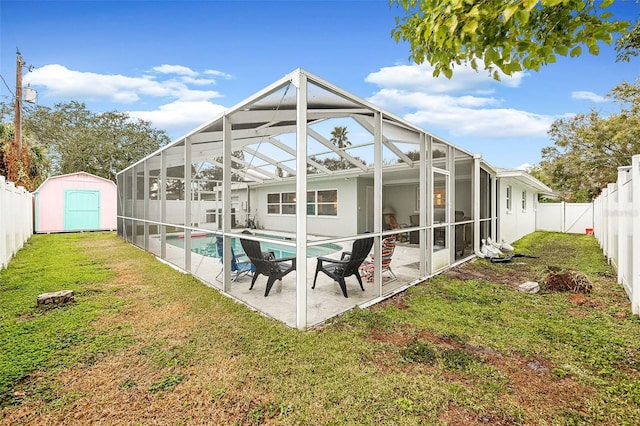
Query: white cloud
{"type": "Point", "coordinates": [420, 78]}
{"type": "Point", "coordinates": [218, 74]}
{"type": "Point", "coordinates": [461, 105]}
{"type": "Point", "coordinates": [525, 166]}
{"type": "Point", "coordinates": [198, 81]}
{"type": "Point", "coordinates": [175, 69]}
{"type": "Point", "coordinates": [589, 96]}
{"type": "Point", "coordinates": [61, 82]}
{"type": "Point", "coordinates": [180, 114]}
{"type": "Point", "coordinates": [497, 123]}
{"type": "Point", "coordinates": [176, 97]}
{"type": "Point", "coordinates": [64, 83]}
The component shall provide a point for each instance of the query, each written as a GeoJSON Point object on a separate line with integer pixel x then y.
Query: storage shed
{"type": "Point", "coordinates": [75, 202]}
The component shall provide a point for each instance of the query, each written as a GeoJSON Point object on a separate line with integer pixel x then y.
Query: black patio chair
{"type": "Point", "coordinates": [349, 264]}
{"type": "Point", "coordinates": [266, 264]}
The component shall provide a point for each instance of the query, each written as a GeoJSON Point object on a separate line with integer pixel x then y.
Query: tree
{"type": "Point", "coordinates": [629, 45]}
{"type": "Point", "coordinates": [589, 148]}
{"type": "Point", "coordinates": [77, 139]}
{"type": "Point", "coordinates": [29, 167]}
{"type": "Point", "coordinates": [340, 139]}
{"type": "Point", "coordinates": [506, 35]}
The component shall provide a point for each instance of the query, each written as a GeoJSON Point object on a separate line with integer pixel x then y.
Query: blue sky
{"type": "Point", "coordinates": [179, 63]}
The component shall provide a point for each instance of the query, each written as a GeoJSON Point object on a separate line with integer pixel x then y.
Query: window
{"type": "Point", "coordinates": [273, 203]}
{"type": "Point", "coordinates": [288, 203]}
{"type": "Point", "coordinates": [524, 200]}
{"type": "Point", "coordinates": [327, 202]}
{"type": "Point", "coordinates": [210, 216]}
{"type": "Point", "coordinates": [319, 203]}
{"type": "Point", "coordinates": [311, 203]}
{"type": "Point", "coordinates": [439, 197]}
{"type": "Point", "coordinates": [509, 198]}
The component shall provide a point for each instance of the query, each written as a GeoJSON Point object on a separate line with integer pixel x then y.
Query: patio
{"type": "Point", "coordinates": [325, 301]}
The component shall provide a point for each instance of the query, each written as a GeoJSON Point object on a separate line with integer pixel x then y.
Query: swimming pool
{"type": "Point", "coordinates": [206, 244]}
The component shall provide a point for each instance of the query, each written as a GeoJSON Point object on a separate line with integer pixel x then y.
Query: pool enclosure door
{"type": "Point", "coordinates": [81, 209]}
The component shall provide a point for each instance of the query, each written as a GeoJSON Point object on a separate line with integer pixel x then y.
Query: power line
{"type": "Point", "coordinates": [8, 88]}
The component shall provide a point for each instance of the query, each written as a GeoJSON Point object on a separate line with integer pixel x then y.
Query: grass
{"type": "Point", "coordinates": [146, 344]}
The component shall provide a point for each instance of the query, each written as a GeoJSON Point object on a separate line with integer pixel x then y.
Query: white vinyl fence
{"type": "Point", "coordinates": [617, 228]}
{"type": "Point", "coordinates": [572, 218]}
{"type": "Point", "coordinates": [16, 219]}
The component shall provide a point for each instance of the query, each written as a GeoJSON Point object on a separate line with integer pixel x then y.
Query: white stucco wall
{"type": "Point", "coordinates": [517, 222]}
{"type": "Point", "coordinates": [344, 224]}
{"type": "Point", "coordinates": [402, 199]}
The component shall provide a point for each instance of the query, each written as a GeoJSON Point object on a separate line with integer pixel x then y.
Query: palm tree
{"type": "Point", "coordinates": [340, 139]}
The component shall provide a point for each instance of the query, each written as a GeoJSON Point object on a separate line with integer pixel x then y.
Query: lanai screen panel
{"type": "Point", "coordinates": [463, 205]}
{"type": "Point", "coordinates": [401, 172]}
{"type": "Point", "coordinates": [189, 186]}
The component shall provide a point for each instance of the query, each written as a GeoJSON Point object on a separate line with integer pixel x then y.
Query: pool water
{"type": "Point", "coordinates": [206, 244]}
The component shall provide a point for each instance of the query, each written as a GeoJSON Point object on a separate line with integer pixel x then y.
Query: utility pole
{"type": "Point", "coordinates": [18, 114]}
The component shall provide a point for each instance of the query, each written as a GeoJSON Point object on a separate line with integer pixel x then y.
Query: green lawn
{"type": "Point", "coordinates": [145, 344]}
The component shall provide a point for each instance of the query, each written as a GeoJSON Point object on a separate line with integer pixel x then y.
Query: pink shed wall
{"type": "Point", "coordinates": [50, 200]}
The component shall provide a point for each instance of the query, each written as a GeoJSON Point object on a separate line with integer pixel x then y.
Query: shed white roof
{"type": "Point", "coordinates": [71, 175]}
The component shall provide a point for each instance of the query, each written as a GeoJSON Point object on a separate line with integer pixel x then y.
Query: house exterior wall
{"type": "Point", "coordinates": [50, 205]}
{"type": "Point", "coordinates": [516, 222]}
{"type": "Point", "coordinates": [403, 200]}
{"type": "Point", "coordinates": [463, 197]}
{"type": "Point", "coordinates": [365, 205]}
{"type": "Point", "coordinates": [344, 224]}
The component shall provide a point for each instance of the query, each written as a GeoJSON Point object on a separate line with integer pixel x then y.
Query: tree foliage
{"type": "Point", "coordinates": [589, 148]}
{"type": "Point", "coordinates": [27, 168]}
{"type": "Point", "coordinates": [339, 137]}
{"type": "Point", "coordinates": [506, 35]}
{"type": "Point", "coordinates": [77, 139]}
{"type": "Point", "coordinates": [214, 173]}
{"type": "Point", "coordinates": [629, 45]}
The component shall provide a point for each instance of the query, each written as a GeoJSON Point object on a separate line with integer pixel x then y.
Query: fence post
{"type": "Point", "coordinates": [605, 221]}
{"type": "Point", "coordinates": [11, 223]}
{"type": "Point", "coordinates": [635, 212]}
{"type": "Point", "coordinates": [3, 225]}
{"type": "Point", "coordinates": [622, 209]}
{"type": "Point", "coordinates": [16, 212]}
{"type": "Point", "coordinates": [611, 232]}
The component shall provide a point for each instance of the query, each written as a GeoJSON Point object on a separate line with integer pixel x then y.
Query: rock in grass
{"type": "Point", "coordinates": [56, 298]}
{"type": "Point", "coordinates": [531, 287]}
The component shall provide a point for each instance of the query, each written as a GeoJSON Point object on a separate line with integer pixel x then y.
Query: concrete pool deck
{"type": "Point", "coordinates": [323, 302]}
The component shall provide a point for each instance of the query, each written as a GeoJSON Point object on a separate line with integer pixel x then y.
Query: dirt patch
{"type": "Point", "coordinates": [532, 385]}
{"type": "Point", "coordinates": [454, 415]}
{"type": "Point", "coordinates": [511, 274]}
{"type": "Point", "coordinates": [398, 301]}
{"type": "Point", "coordinates": [582, 300]}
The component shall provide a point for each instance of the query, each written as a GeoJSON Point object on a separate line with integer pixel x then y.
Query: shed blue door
{"type": "Point", "coordinates": [81, 209]}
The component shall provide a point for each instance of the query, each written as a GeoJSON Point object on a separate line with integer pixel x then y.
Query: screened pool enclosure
{"type": "Point", "coordinates": [306, 169]}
